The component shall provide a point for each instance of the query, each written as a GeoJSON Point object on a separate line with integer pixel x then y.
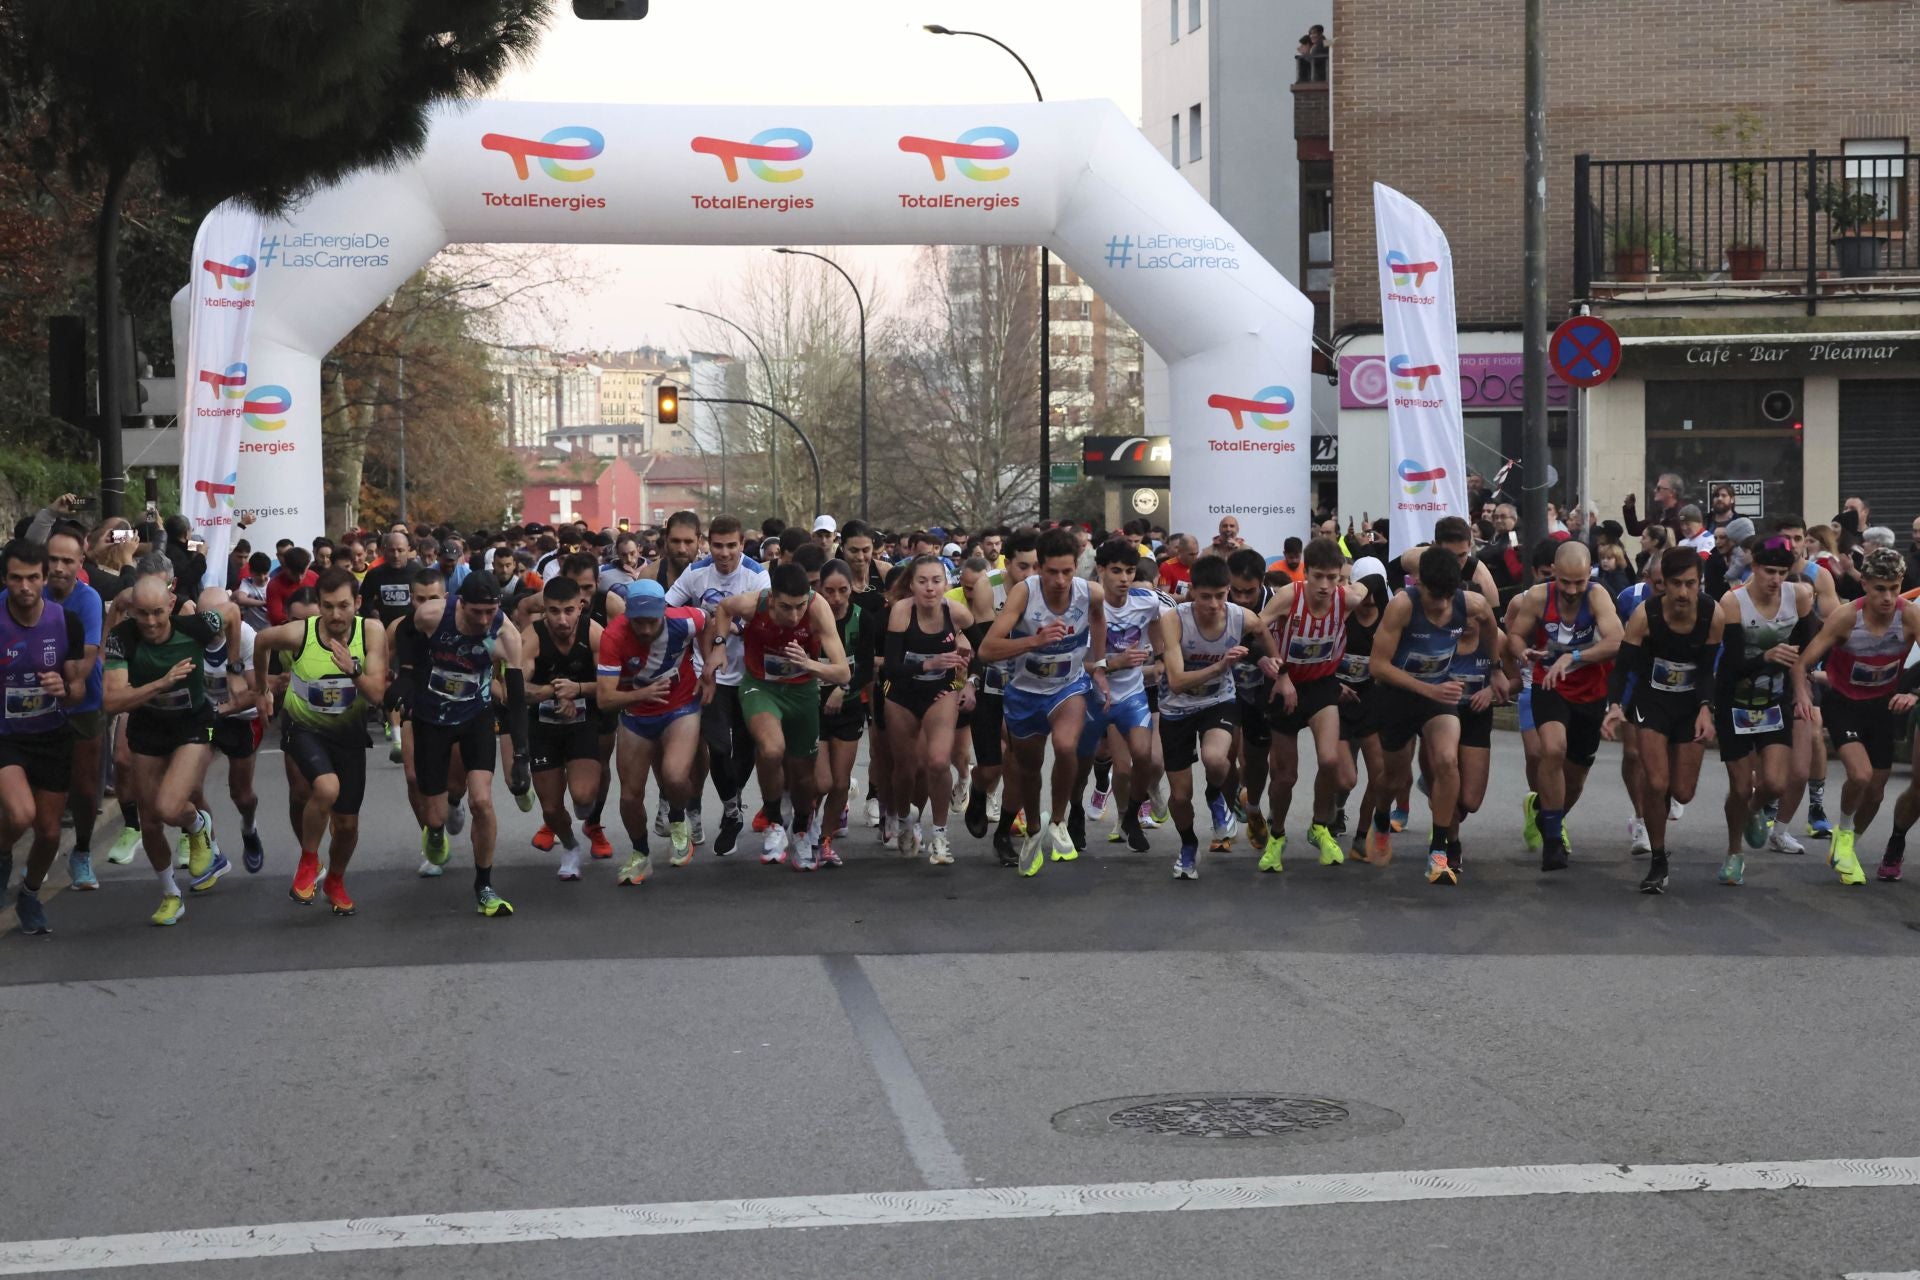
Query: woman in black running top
{"type": "Point", "coordinates": [842, 714]}
{"type": "Point", "coordinates": [926, 657]}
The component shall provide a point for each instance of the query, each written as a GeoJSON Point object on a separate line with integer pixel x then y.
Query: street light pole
{"type": "Point", "coordinates": [1533, 423]}
{"type": "Point", "coordinates": [862, 304]}
{"type": "Point", "coordinates": [1046, 299]}
{"type": "Point", "coordinates": [773, 441]}
{"type": "Point", "coordinates": [818, 490]}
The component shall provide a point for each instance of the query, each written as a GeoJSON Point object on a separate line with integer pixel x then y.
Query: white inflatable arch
{"type": "Point", "coordinates": [1077, 177]}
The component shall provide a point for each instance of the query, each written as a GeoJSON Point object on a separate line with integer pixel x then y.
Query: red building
{"type": "Point", "coordinates": [642, 489]}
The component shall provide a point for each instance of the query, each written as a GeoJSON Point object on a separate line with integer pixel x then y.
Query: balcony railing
{"type": "Point", "coordinates": [1742, 227]}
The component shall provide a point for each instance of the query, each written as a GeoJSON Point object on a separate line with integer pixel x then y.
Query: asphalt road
{"type": "Point", "coordinates": [735, 1032]}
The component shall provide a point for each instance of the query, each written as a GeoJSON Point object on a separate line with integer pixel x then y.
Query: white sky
{"type": "Point", "coordinates": [792, 52]}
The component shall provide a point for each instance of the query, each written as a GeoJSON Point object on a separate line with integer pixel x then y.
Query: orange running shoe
{"type": "Point", "coordinates": [543, 839]}
{"type": "Point", "coordinates": [305, 877]}
{"type": "Point", "coordinates": [597, 843]}
{"type": "Point", "coordinates": [335, 888]}
{"type": "Point", "coordinates": [1380, 848]}
{"type": "Point", "coordinates": [760, 820]}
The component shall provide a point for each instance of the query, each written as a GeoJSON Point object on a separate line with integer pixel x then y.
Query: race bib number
{"type": "Point", "coordinates": [1672, 677]}
{"type": "Point", "coordinates": [780, 667]}
{"type": "Point", "coordinates": [454, 686]}
{"type": "Point", "coordinates": [1355, 668]}
{"type": "Point", "coordinates": [550, 711]}
{"type": "Point", "coordinates": [329, 695]}
{"type": "Point", "coordinates": [395, 595]}
{"type": "Point", "coordinates": [25, 701]}
{"type": "Point", "coordinates": [1306, 650]}
{"type": "Point", "coordinates": [1050, 667]}
{"type": "Point", "coordinates": [1428, 666]}
{"type": "Point", "coordinates": [179, 698]}
{"type": "Point", "coordinates": [1754, 720]}
{"type": "Point", "coordinates": [1875, 677]}
{"type": "Point", "coordinates": [993, 680]}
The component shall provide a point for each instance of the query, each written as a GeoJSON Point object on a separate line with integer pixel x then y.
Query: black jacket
{"type": "Point", "coordinates": [189, 569]}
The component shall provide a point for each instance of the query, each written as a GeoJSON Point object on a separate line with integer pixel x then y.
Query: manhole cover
{"type": "Point", "coordinates": [1212, 1117]}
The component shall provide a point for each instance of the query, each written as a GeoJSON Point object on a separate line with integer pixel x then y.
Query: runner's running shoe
{"type": "Point", "coordinates": [1781, 840]}
{"type": "Point", "coordinates": [681, 835]}
{"type": "Point", "coordinates": [803, 854]}
{"type": "Point", "coordinates": [457, 816]}
{"type": "Point", "coordinates": [830, 856]}
{"type": "Point", "coordinates": [211, 876]}
{"type": "Point", "coordinates": [435, 847]}
{"type": "Point", "coordinates": [1257, 832]}
{"type": "Point", "coordinates": [1529, 821]}
{"type": "Point", "coordinates": [1675, 810]}
{"type": "Point", "coordinates": [32, 916]}
{"type": "Point", "coordinates": [1656, 877]}
{"type": "Point", "coordinates": [597, 843]}
{"type": "Point", "coordinates": [760, 820]}
{"type": "Point", "coordinates": [940, 853]}
{"type": "Point", "coordinates": [253, 854]}
{"type": "Point", "coordinates": [1097, 803]}
{"type": "Point", "coordinates": [636, 869]}
{"type": "Point", "coordinates": [660, 821]}
{"type": "Point", "coordinates": [1033, 854]}
{"type": "Point", "coordinates": [1842, 858]}
{"type": "Point", "coordinates": [774, 848]}
{"type": "Point", "coordinates": [172, 910]}
{"type": "Point", "coordinates": [1889, 869]}
{"type": "Point", "coordinates": [1331, 854]}
{"type": "Point", "coordinates": [1439, 870]}
{"type": "Point", "coordinates": [1817, 825]}
{"type": "Point", "coordinates": [1270, 853]}
{"type": "Point", "coordinates": [1759, 826]}
{"type": "Point", "coordinates": [1187, 865]}
{"type": "Point", "coordinates": [80, 870]}
{"type": "Point", "coordinates": [335, 887]}
{"type": "Point", "coordinates": [543, 839]}
{"type": "Point", "coordinates": [1397, 819]}
{"type": "Point", "coordinates": [729, 834]}
{"type": "Point", "coordinates": [569, 864]}
{"type": "Point", "coordinates": [491, 904]}
{"type": "Point", "coordinates": [1380, 848]}
{"type": "Point", "coordinates": [696, 829]}
{"type": "Point", "coordinates": [1733, 869]}
{"type": "Point", "coordinates": [1060, 841]}
{"type": "Point", "coordinates": [124, 844]}
{"type": "Point", "coordinates": [306, 876]}
{"type": "Point", "coordinates": [1638, 845]}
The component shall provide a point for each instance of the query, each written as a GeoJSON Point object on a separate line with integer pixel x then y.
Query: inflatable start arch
{"type": "Point", "coordinates": [1077, 177]}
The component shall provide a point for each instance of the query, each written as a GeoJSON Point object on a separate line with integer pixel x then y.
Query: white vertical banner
{"type": "Point", "coordinates": [1426, 446]}
{"type": "Point", "coordinates": [218, 391]}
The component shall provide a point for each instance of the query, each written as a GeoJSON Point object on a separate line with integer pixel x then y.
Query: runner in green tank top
{"type": "Point", "coordinates": [339, 675]}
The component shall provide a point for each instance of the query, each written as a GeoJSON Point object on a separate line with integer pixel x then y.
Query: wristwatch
{"type": "Point", "coordinates": [1101, 665]}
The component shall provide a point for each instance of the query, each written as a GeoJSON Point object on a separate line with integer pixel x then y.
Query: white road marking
{"type": "Point", "coordinates": [1881, 1275]}
{"type": "Point", "coordinates": [984, 1204]}
{"type": "Point", "coordinates": [913, 1108]}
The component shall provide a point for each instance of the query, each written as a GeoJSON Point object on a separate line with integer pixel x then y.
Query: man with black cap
{"type": "Point", "coordinates": [449, 665]}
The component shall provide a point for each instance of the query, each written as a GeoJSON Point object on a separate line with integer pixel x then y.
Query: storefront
{"type": "Point", "coordinates": [1797, 421]}
{"type": "Point", "coordinates": [1136, 473]}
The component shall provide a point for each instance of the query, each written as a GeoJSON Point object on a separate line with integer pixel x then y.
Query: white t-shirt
{"type": "Point", "coordinates": [705, 586]}
{"type": "Point", "coordinates": [229, 655]}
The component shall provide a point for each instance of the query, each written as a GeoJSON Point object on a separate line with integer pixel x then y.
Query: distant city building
{"type": "Point", "coordinates": [642, 489]}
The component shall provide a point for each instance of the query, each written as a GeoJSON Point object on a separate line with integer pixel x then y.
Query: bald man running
{"type": "Point", "coordinates": [1568, 630]}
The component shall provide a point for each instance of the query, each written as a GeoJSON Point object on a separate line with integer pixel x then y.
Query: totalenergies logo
{"type": "Point", "coordinates": [1416, 478]}
{"type": "Point", "coordinates": [988, 142]}
{"type": "Point", "coordinates": [776, 145]}
{"type": "Point", "coordinates": [266, 408]}
{"type": "Point", "coordinates": [568, 142]}
{"type": "Point", "coordinates": [229, 384]}
{"type": "Point", "coordinates": [1406, 272]}
{"type": "Point", "coordinates": [238, 273]}
{"type": "Point", "coordinates": [218, 492]}
{"type": "Point", "coordinates": [1267, 408]}
{"type": "Point", "coordinates": [1409, 376]}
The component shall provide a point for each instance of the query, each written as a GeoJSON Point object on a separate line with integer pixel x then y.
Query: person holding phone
{"type": "Point", "coordinates": [189, 565]}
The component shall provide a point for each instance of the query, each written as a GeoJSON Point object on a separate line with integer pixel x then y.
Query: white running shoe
{"type": "Point", "coordinates": [813, 828]}
{"type": "Point", "coordinates": [570, 864]}
{"type": "Point", "coordinates": [428, 869]}
{"type": "Point", "coordinates": [660, 820]}
{"type": "Point", "coordinates": [846, 812]}
{"type": "Point", "coordinates": [1097, 804]}
{"type": "Point", "coordinates": [993, 805]}
{"type": "Point", "coordinates": [774, 847]}
{"type": "Point", "coordinates": [1638, 845]}
{"type": "Point", "coordinates": [457, 817]}
{"type": "Point", "coordinates": [1146, 816]}
{"type": "Point", "coordinates": [695, 828]}
{"type": "Point", "coordinates": [910, 839]}
{"type": "Point", "coordinates": [1782, 841]}
{"type": "Point", "coordinates": [959, 790]}
{"type": "Point", "coordinates": [873, 811]}
{"type": "Point", "coordinates": [940, 854]}
{"type": "Point", "coordinates": [889, 829]}
{"type": "Point", "coordinates": [1675, 810]}
{"type": "Point", "coordinates": [803, 853]}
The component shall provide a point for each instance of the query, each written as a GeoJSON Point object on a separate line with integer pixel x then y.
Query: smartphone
{"type": "Point", "coordinates": [196, 545]}
{"type": "Point", "coordinates": [122, 535]}
{"type": "Point", "coordinates": [86, 504]}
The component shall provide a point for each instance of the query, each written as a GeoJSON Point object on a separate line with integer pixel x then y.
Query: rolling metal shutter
{"type": "Point", "coordinates": [1880, 451]}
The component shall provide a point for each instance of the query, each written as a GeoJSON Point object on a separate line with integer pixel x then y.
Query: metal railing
{"type": "Point", "coordinates": [1311, 68]}
{"type": "Point", "coordinates": [1798, 225]}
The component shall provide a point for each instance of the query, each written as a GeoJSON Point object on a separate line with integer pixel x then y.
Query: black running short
{"type": "Point", "coordinates": [46, 758]}
{"type": "Point", "coordinates": [1667, 715]}
{"type": "Point", "coordinates": [344, 755]}
{"type": "Point", "coordinates": [554, 746]}
{"type": "Point", "coordinates": [434, 744]}
{"type": "Point", "coordinates": [1745, 730]}
{"type": "Point", "coordinates": [1313, 697]}
{"type": "Point", "coordinates": [1476, 727]}
{"type": "Point", "coordinates": [1404, 716]}
{"type": "Point", "coordinates": [1180, 736]}
{"type": "Point", "coordinates": [987, 719]}
{"type": "Point", "coordinates": [162, 735]}
{"type": "Point", "coordinates": [236, 739]}
{"type": "Point", "coordinates": [1361, 719]}
{"type": "Point", "coordinates": [1256, 731]}
{"type": "Point", "coordinates": [1582, 721]}
{"type": "Point", "coordinates": [848, 724]}
{"type": "Point", "coordinates": [1867, 721]}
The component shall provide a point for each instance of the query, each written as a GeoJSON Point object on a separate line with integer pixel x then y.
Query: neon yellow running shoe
{"type": "Point", "coordinates": [173, 909]}
{"type": "Point", "coordinates": [1270, 856]}
{"type": "Point", "coordinates": [681, 834]}
{"type": "Point", "coordinates": [435, 849]}
{"type": "Point", "coordinates": [636, 869]}
{"type": "Point", "coordinates": [1331, 854]}
{"type": "Point", "coordinates": [1842, 859]}
{"type": "Point", "coordinates": [200, 846]}
{"type": "Point", "coordinates": [1530, 822]}
{"type": "Point", "coordinates": [490, 903]}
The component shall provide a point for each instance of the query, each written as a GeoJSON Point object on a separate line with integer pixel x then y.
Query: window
{"type": "Point", "coordinates": [1193, 132]}
{"type": "Point", "coordinates": [1176, 139]}
{"type": "Point", "coordinates": [1879, 165]}
{"type": "Point", "coordinates": [1173, 21]}
{"type": "Point", "coordinates": [1193, 15]}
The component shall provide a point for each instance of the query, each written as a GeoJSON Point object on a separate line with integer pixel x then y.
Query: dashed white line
{"type": "Point", "coordinates": [985, 1204]}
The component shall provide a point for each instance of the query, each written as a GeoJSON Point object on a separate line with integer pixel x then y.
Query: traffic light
{"type": "Point", "coordinates": [668, 404]}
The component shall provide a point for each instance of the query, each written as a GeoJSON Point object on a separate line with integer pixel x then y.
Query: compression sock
{"type": "Point", "coordinates": [482, 877]}
{"type": "Point", "coordinates": [1550, 823]}
{"type": "Point", "coordinates": [1102, 774]}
